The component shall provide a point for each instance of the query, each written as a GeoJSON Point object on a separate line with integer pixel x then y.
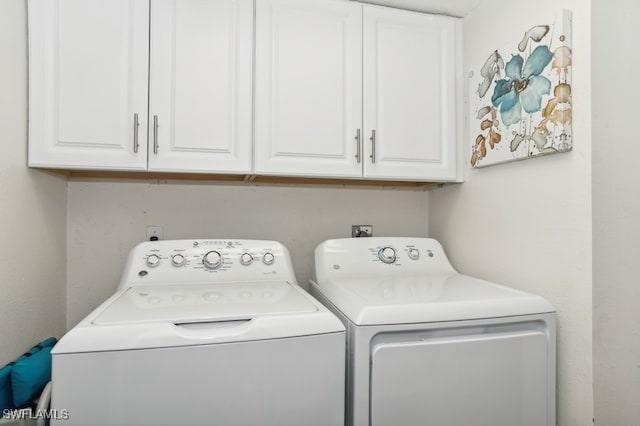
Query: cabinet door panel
{"type": "Point", "coordinates": [88, 62]}
{"type": "Point", "coordinates": [410, 94]}
{"type": "Point", "coordinates": [201, 85]}
{"type": "Point", "coordinates": [308, 87]}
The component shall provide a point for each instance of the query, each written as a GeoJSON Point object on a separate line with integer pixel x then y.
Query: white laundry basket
{"type": "Point", "coordinates": [26, 416]}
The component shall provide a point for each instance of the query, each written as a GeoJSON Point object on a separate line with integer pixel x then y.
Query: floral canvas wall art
{"type": "Point", "coordinates": [521, 96]}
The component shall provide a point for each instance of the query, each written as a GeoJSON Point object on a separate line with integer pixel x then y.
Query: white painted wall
{"type": "Point", "coordinates": [32, 209]}
{"type": "Point", "coordinates": [616, 212]}
{"type": "Point", "coordinates": [108, 217]}
{"type": "Point", "coordinates": [528, 224]}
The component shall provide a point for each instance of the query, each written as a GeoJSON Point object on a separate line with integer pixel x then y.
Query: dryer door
{"type": "Point", "coordinates": [471, 377]}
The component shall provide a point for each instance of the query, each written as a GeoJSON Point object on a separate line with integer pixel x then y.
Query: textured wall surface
{"type": "Point", "coordinates": [32, 209]}
{"type": "Point", "coordinates": [108, 217]}
{"type": "Point", "coordinates": [616, 209]}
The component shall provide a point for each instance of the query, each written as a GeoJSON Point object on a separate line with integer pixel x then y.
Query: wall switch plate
{"type": "Point", "coordinates": [361, 231]}
{"type": "Point", "coordinates": [154, 232]}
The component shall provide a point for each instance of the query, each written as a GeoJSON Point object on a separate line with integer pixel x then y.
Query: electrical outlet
{"type": "Point", "coordinates": [361, 231]}
{"type": "Point", "coordinates": [154, 232]}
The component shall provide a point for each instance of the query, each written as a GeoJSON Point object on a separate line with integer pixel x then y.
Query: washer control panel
{"type": "Point", "coordinates": [194, 261]}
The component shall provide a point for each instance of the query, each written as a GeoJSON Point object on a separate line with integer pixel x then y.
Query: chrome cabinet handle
{"type": "Point", "coordinates": [358, 145]}
{"type": "Point", "coordinates": [136, 124]}
{"type": "Point", "coordinates": [373, 147]}
{"type": "Point", "coordinates": [155, 134]}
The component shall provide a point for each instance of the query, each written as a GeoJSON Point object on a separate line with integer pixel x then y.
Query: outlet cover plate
{"type": "Point", "coordinates": [361, 231]}
{"type": "Point", "coordinates": [154, 232]}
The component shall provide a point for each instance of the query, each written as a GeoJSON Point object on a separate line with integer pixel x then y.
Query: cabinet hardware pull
{"type": "Point", "coordinates": [358, 145]}
{"type": "Point", "coordinates": [155, 134]}
{"type": "Point", "coordinates": [136, 124]}
{"type": "Point", "coordinates": [373, 147]}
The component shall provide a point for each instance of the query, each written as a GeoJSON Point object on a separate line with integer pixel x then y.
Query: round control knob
{"type": "Point", "coordinates": [153, 260]}
{"type": "Point", "coordinates": [268, 258]}
{"type": "Point", "coordinates": [246, 259]}
{"type": "Point", "coordinates": [212, 260]}
{"type": "Point", "coordinates": [414, 254]}
{"type": "Point", "coordinates": [387, 255]}
{"type": "Point", "coordinates": [178, 260]}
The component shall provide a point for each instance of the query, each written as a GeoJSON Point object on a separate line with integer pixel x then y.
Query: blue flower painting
{"type": "Point", "coordinates": [530, 97]}
{"type": "Point", "coordinates": [523, 87]}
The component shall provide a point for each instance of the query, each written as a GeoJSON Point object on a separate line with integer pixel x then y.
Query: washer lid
{"type": "Point", "coordinates": [416, 299]}
{"type": "Point", "coordinates": [152, 317]}
{"type": "Point", "coordinates": [200, 303]}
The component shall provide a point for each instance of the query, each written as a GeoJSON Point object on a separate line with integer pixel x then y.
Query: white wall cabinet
{"type": "Point", "coordinates": [96, 88]}
{"type": "Point", "coordinates": [312, 59]}
{"type": "Point", "coordinates": [88, 73]}
{"type": "Point", "coordinates": [342, 89]}
{"type": "Point", "coordinates": [308, 87]}
{"type": "Point", "coordinates": [410, 94]}
{"type": "Point", "coordinates": [201, 85]}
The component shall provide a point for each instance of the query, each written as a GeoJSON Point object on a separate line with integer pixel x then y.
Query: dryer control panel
{"type": "Point", "coordinates": [380, 256]}
{"type": "Point", "coordinates": [207, 261]}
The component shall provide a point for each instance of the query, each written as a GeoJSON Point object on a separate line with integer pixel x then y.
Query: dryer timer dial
{"type": "Point", "coordinates": [387, 255]}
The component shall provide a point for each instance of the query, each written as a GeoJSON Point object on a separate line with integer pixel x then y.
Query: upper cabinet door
{"type": "Point", "coordinates": [410, 94]}
{"type": "Point", "coordinates": [200, 103]}
{"type": "Point", "coordinates": [308, 87]}
{"type": "Point", "coordinates": [88, 62]}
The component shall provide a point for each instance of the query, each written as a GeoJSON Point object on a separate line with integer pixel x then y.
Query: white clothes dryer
{"type": "Point", "coordinates": [204, 332]}
{"type": "Point", "coordinates": [429, 346]}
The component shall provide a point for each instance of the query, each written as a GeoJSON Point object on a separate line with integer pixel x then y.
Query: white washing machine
{"type": "Point", "coordinates": [204, 332]}
{"type": "Point", "coordinates": [428, 346]}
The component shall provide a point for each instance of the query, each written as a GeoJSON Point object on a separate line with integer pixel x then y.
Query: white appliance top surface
{"type": "Point", "coordinates": [201, 302]}
{"type": "Point", "coordinates": [409, 280]}
{"type": "Point", "coordinates": [403, 300]}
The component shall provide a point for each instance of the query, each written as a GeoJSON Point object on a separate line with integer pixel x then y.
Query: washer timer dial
{"type": "Point", "coordinates": [212, 260]}
{"type": "Point", "coordinates": [387, 255]}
